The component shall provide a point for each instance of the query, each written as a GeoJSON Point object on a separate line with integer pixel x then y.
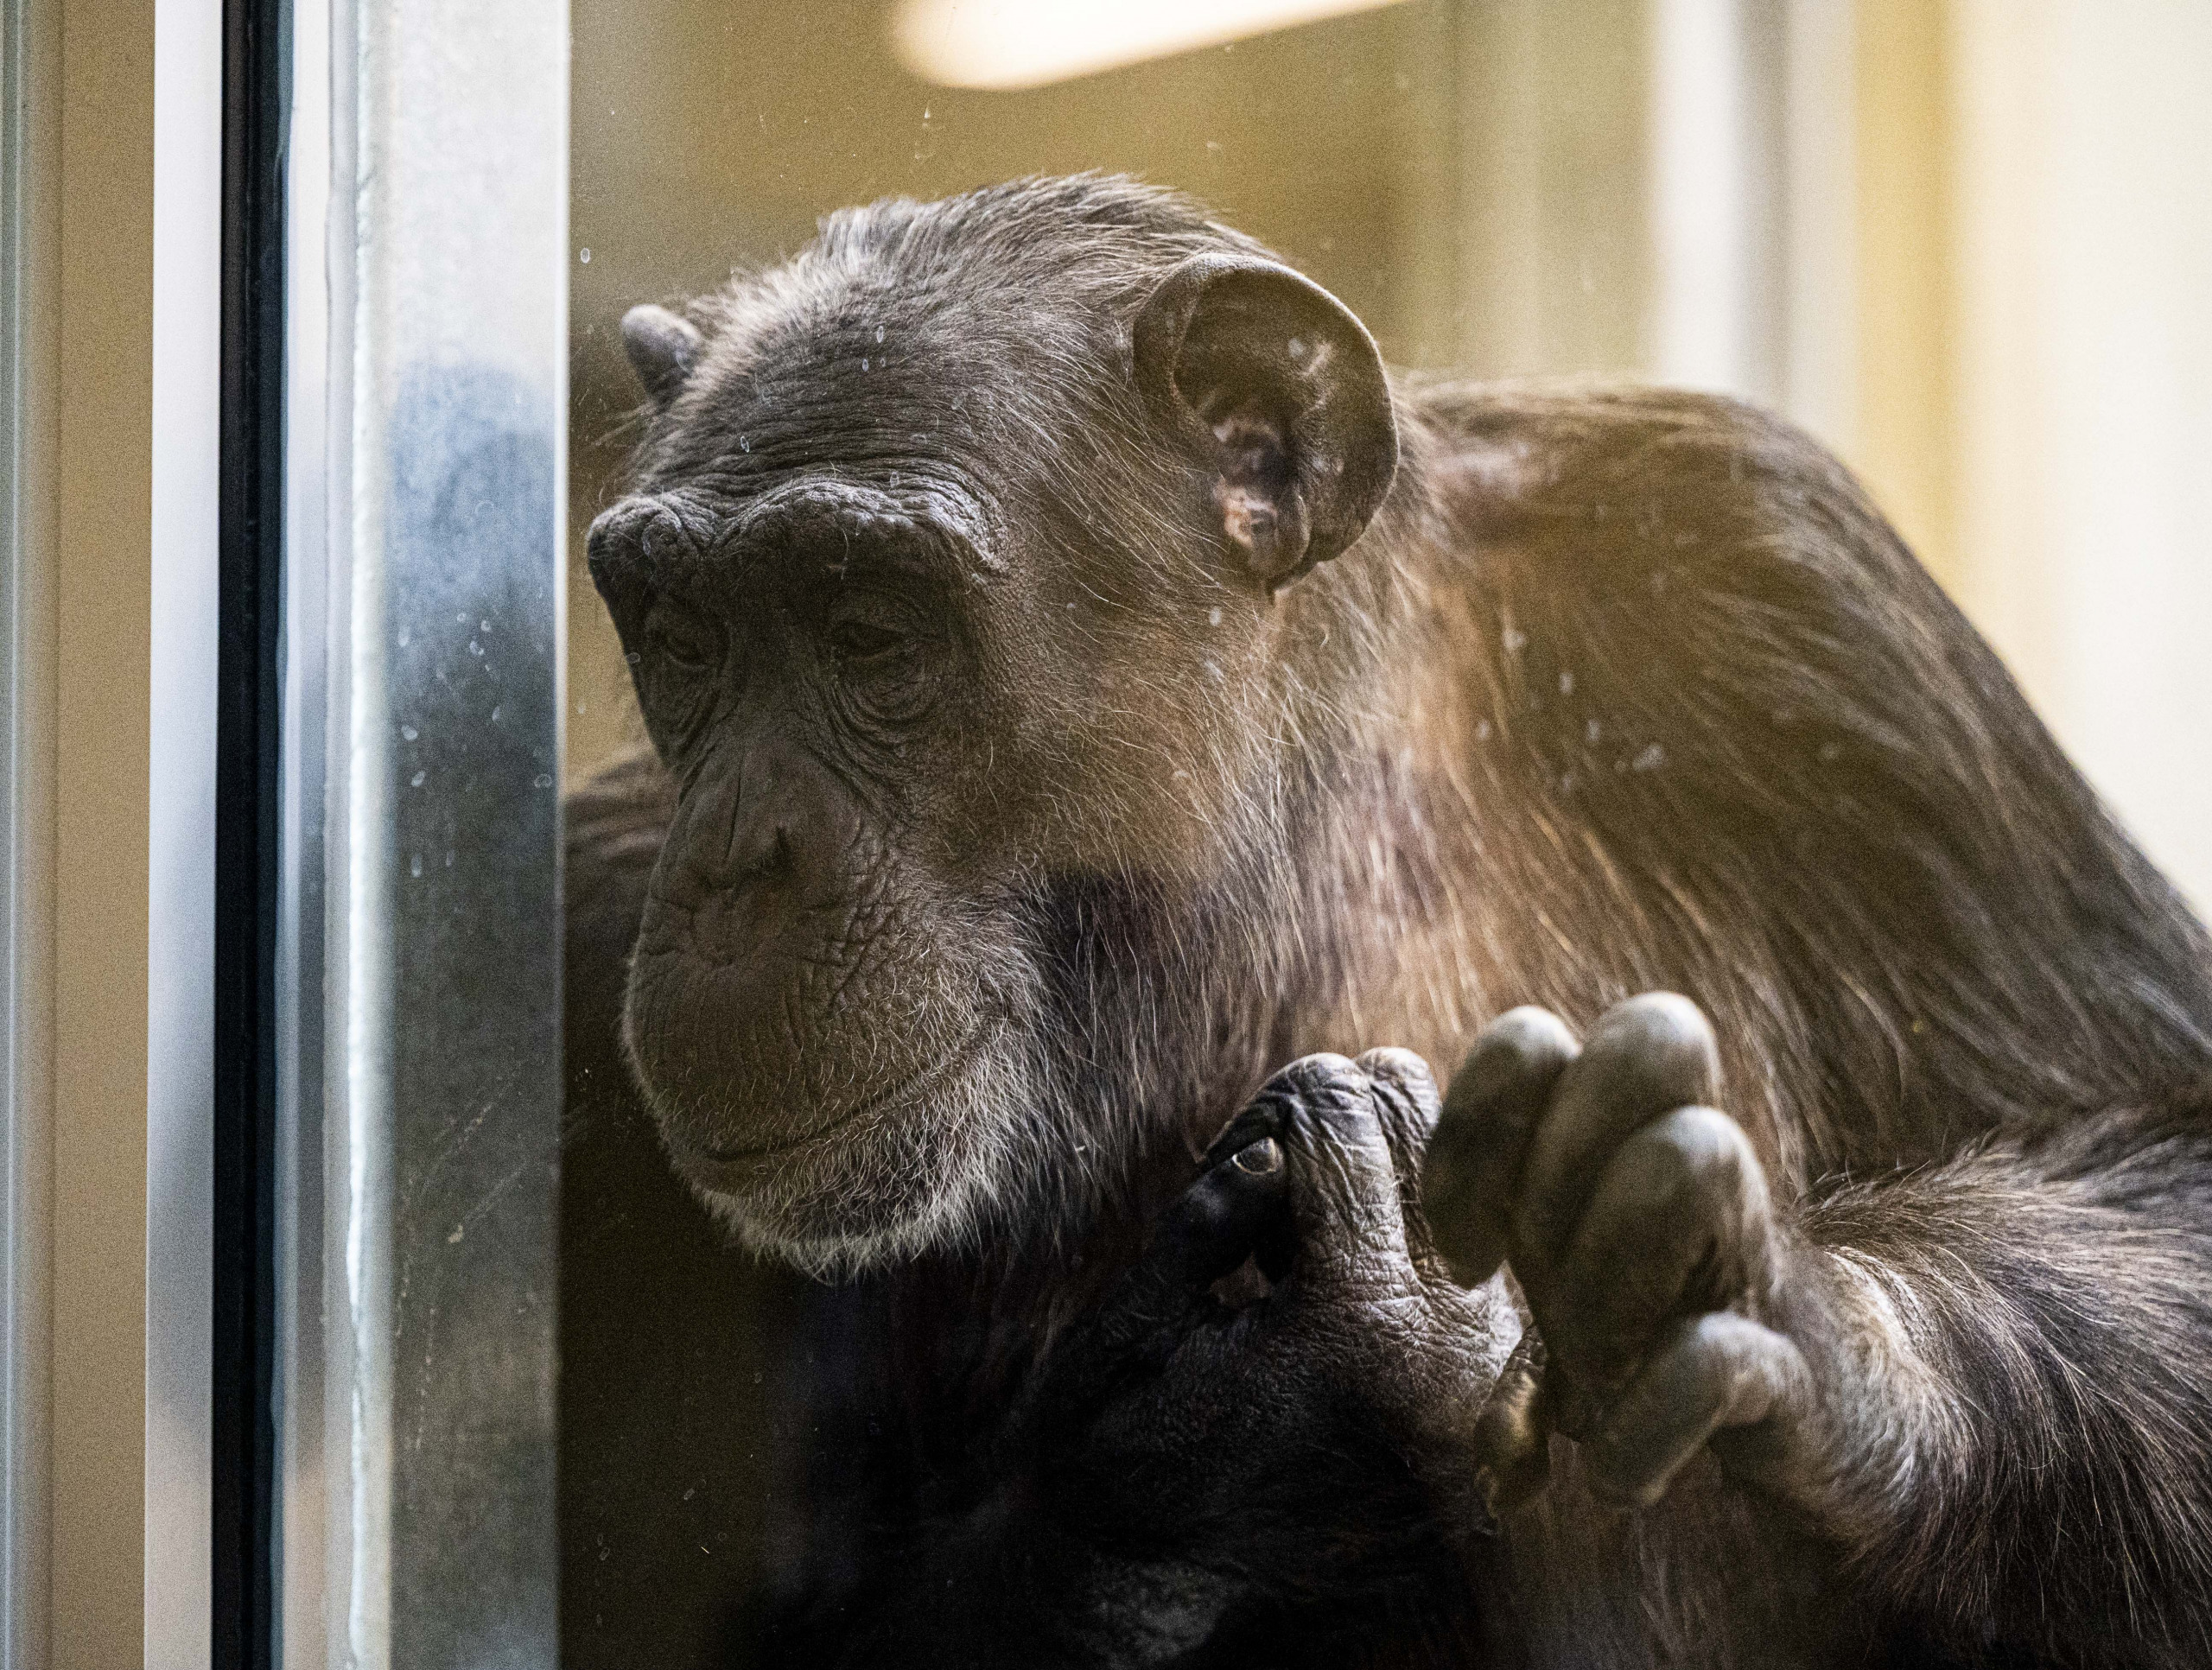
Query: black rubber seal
{"type": "Point", "coordinates": [256, 54]}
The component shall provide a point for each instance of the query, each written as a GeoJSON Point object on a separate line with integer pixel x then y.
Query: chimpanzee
{"type": "Point", "coordinates": [1082, 682]}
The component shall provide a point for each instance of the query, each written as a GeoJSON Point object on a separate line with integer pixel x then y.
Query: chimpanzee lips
{"type": "Point", "coordinates": [912, 1088]}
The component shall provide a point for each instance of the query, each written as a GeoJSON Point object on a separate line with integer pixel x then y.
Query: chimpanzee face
{"type": "Point", "coordinates": [928, 610]}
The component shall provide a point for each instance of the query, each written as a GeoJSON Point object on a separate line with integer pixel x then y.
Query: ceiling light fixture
{"type": "Point", "coordinates": [1006, 44]}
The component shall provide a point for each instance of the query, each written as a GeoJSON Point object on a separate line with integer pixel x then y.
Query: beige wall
{"type": "Point", "coordinates": [1906, 440]}
{"type": "Point", "coordinates": [2035, 214]}
{"type": "Point", "coordinates": [710, 133]}
{"type": "Point", "coordinates": [2083, 364]}
{"type": "Point", "coordinates": [101, 563]}
{"type": "Point", "coordinates": [1466, 173]}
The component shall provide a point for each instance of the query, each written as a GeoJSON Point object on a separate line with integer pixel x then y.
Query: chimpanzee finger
{"type": "Point", "coordinates": [1474, 1156]}
{"type": "Point", "coordinates": [1213, 1227]}
{"type": "Point", "coordinates": [1643, 1058]}
{"type": "Point", "coordinates": [1679, 1222]}
{"type": "Point", "coordinates": [1512, 1442]}
{"type": "Point", "coordinates": [1713, 1371]}
{"type": "Point", "coordinates": [1342, 1186]}
{"type": "Point", "coordinates": [1406, 1104]}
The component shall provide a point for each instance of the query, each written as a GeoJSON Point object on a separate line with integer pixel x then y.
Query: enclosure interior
{"type": "Point", "coordinates": [1807, 205]}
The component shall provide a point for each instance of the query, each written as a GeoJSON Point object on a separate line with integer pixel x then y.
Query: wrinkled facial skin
{"type": "Point", "coordinates": [814, 975]}
{"type": "Point", "coordinates": [873, 721]}
{"type": "Point", "coordinates": [973, 690]}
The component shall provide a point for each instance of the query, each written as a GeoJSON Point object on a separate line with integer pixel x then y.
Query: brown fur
{"type": "Point", "coordinates": [1621, 690]}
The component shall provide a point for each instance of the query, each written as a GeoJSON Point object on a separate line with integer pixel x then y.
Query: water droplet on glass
{"type": "Point", "coordinates": [584, 256]}
{"type": "Point", "coordinates": [416, 781]}
{"type": "Point", "coordinates": [415, 864]}
{"type": "Point", "coordinates": [1213, 617]}
{"type": "Point", "coordinates": [542, 781]}
{"type": "Point", "coordinates": [408, 732]}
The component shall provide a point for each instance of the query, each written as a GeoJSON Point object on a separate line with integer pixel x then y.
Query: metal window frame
{"type": "Point", "coordinates": [417, 1073]}
{"type": "Point", "coordinates": [250, 954]}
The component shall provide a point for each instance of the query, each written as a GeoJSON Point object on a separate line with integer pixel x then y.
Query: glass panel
{"type": "Point", "coordinates": [422, 749]}
{"type": "Point", "coordinates": [750, 1454]}
{"type": "Point", "coordinates": [1476, 180]}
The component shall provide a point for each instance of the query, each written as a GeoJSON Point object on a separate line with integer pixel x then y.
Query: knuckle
{"type": "Point", "coordinates": [1338, 1105]}
{"type": "Point", "coordinates": [1657, 1049]}
{"type": "Point", "coordinates": [1287, 1106]}
{"type": "Point", "coordinates": [1521, 1045]}
{"type": "Point", "coordinates": [1307, 1092]}
{"type": "Point", "coordinates": [1320, 1071]}
{"type": "Point", "coordinates": [1725, 1345]}
{"type": "Point", "coordinates": [1652, 1023]}
{"type": "Point", "coordinates": [1702, 1148]}
{"type": "Point", "coordinates": [1402, 1071]}
{"type": "Point", "coordinates": [1346, 1139]}
{"type": "Point", "coordinates": [1529, 1032]}
{"type": "Point", "coordinates": [1405, 1095]}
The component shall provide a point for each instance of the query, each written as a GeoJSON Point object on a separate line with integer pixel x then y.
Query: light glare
{"type": "Point", "coordinates": [1006, 44]}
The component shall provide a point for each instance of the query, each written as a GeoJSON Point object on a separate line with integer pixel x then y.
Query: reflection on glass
{"type": "Point", "coordinates": [424, 667]}
{"type": "Point", "coordinates": [1475, 180]}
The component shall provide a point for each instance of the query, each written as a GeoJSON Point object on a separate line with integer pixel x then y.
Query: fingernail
{"type": "Point", "coordinates": [1260, 1159]}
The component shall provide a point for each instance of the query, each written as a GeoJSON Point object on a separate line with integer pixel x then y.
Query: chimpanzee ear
{"type": "Point", "coordinates": [1281, 392]}
{"type": "Point", "coordinates": [662, 346]}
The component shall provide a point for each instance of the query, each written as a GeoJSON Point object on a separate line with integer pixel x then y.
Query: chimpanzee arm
{"type": "Point", "coordinates": [2037, 1318]}
{"type": "Point", "coordinates": [1982, 1381]}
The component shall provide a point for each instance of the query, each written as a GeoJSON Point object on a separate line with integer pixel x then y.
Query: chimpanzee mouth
{"type": "Point", "coordinates": [914, 1085]}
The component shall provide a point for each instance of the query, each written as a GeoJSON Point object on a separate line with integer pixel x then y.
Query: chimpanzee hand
{"type": "Point", "coordinates": [1277, 1402]}
{"type": "Point", "coordinates": [1313, 1439]}
{"type": "Point", "coordinates": [1637, 1221]}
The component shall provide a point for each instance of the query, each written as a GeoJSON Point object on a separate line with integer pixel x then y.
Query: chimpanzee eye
{"type": "Point", "coordinates": [877, 649]}
{"type": "Point", "coordinates": [864, 640]}
{"type": "Point", "coordinates": [683, 638]}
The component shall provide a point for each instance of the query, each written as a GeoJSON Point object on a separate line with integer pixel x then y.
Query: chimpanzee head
{"type": "Point", "coordinates": [949, 583]}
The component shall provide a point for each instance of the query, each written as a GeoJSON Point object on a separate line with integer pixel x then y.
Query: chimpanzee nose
{"type": "Point", "coordinates": [767, 824]}
{"type": "Point", "coordinates": [752, 832]}
{"type": "Point", "coordinates": [758, 838]}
